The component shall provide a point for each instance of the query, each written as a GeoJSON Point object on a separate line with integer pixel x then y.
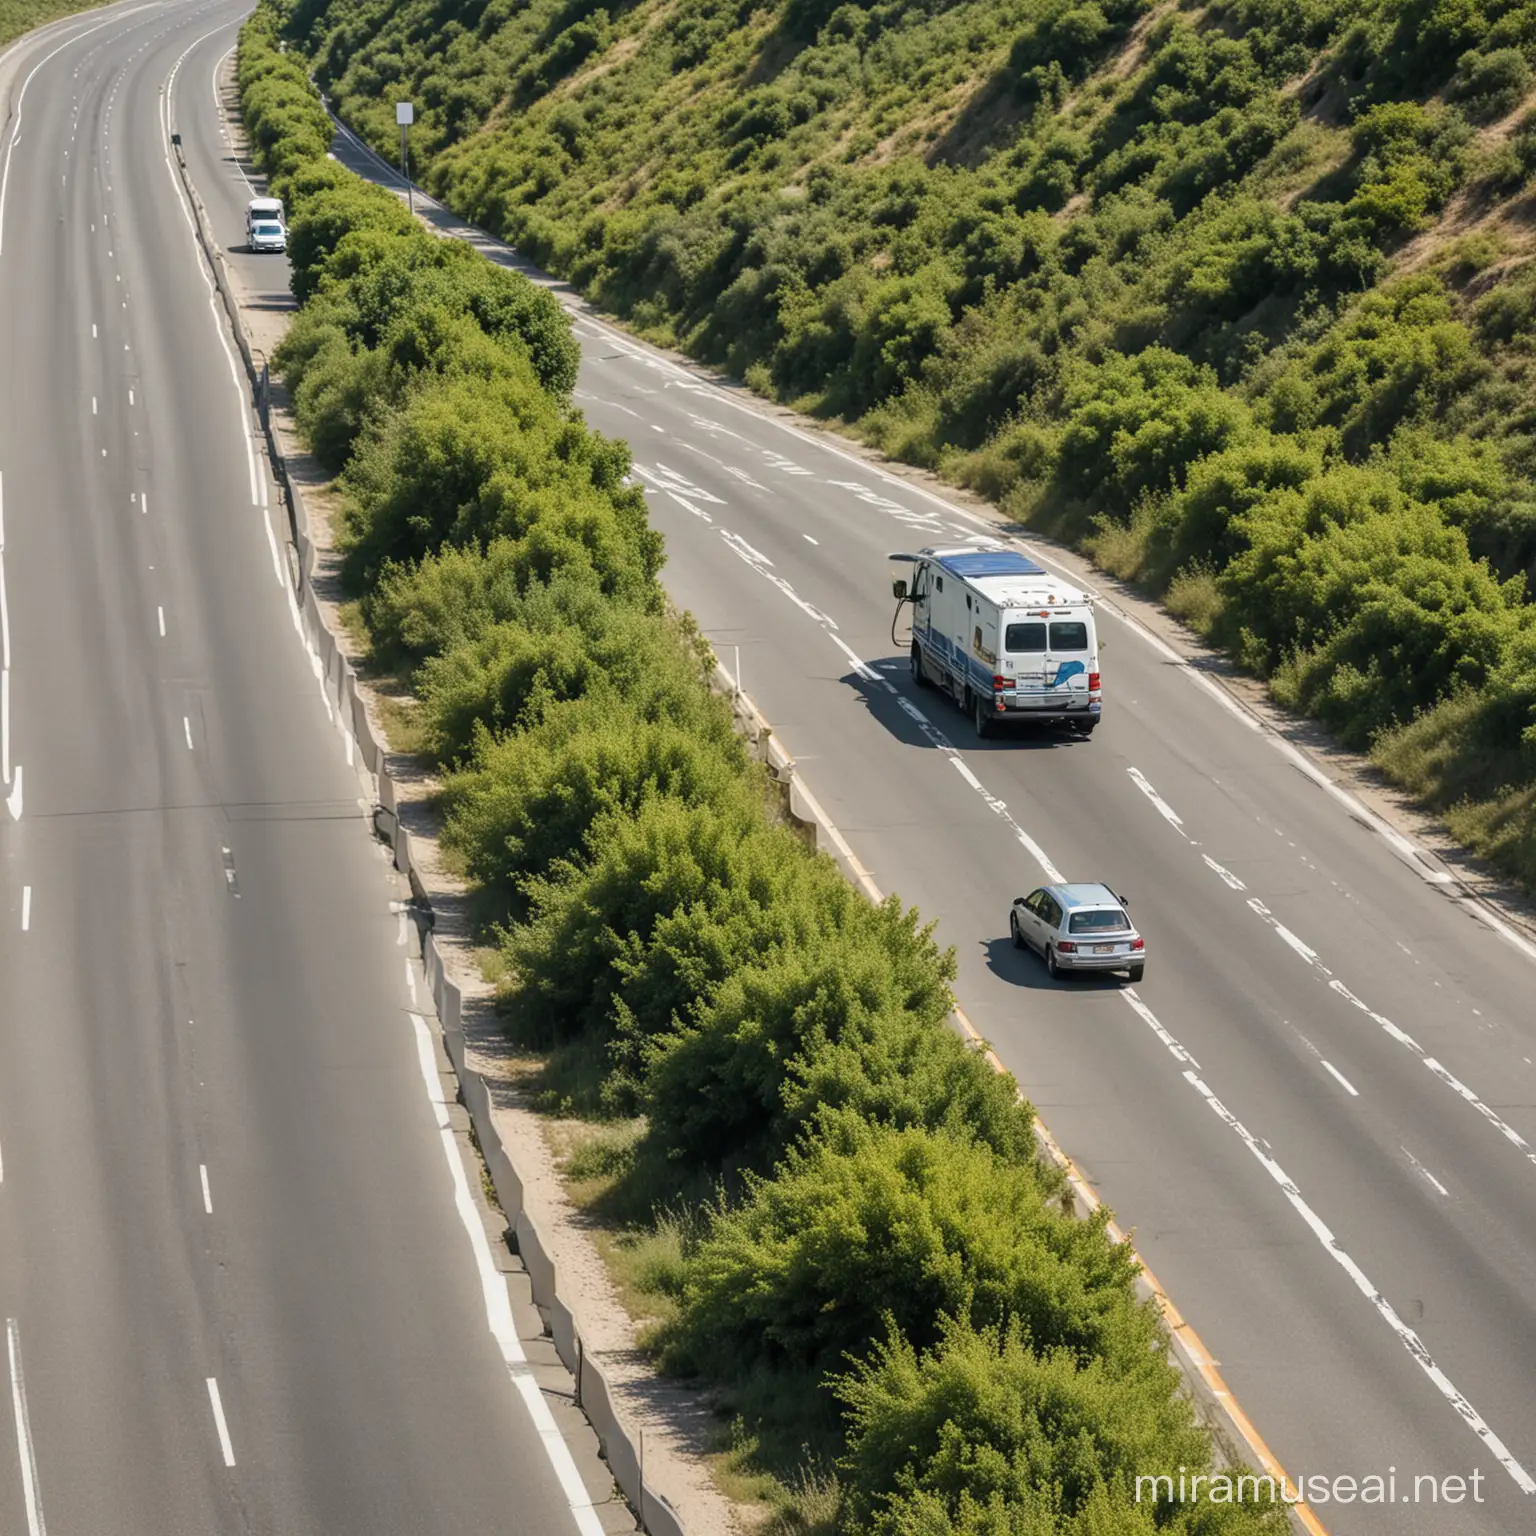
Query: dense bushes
{"type": "Point", "coordinates": [985, 1435]}
{"type": "Point", "coordinates": [860, 1185]}
{"type": "Point", "coordinates": [1090, 272]}
{"type": "Point", "coordinates": [867, 1223]}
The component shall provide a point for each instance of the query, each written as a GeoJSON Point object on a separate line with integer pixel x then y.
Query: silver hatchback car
{"type": "Point", "coordinates": [1079, 928]}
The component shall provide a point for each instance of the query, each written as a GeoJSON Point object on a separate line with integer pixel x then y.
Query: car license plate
{"type": "Point", "coordinates": [1103, 949]}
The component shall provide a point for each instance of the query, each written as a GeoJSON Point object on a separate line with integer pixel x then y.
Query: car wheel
{"type": "Point", "coordinates": [1051, 966]}
{"type": "Point", "coordinates": [1137, 972]}
{"type": "Point", "coordinates": [1087, 727]}
{"type": "Point", "coordinates": [1013, 928]}
{"type": "Point", "coordinates": [981, 715]}
{"type": "Point", "coordinates": [919, 676]}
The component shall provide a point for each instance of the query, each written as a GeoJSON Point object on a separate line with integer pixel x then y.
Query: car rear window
{"type": "Point", "coordinates": [269, 229]}
{"type": "Point", "coordinates": [1024, 637]}
{"type": "Point", "coordinates": [1070, 635]}
{"type": "Point", "coordinates": [1109, 921]}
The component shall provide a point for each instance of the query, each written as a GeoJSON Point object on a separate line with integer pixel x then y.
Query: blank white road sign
{"type": "Point", "coordinates": [405, 113]}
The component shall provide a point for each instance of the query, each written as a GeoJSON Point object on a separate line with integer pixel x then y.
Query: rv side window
{"type": "Point", "coordinates": [938, 583]}
{"type": "Point", "coordinates": [1069, 636]}
{"type": "Point", "coordinates": [1024, 637]}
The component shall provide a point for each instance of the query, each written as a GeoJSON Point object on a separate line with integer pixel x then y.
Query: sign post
{"type": "Point", "coordinates": [405, 115]}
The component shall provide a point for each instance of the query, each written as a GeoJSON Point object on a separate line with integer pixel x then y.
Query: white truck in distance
{"type": "Point", "coordinates": [1009, 641]}
{"type": "Point", "coordinates": [264, 227]}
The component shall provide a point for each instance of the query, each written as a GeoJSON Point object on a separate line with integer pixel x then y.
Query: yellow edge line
{"type": "Point", "coordinates": [1177, 1324]}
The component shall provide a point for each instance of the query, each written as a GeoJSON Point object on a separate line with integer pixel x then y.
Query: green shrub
{"type": "Point", "coordinates": [319, 223]}
{"type": "Point", "coordinates": [986, 1433]}
{"type": "Point", "coordinates": [867, 1227]}
{"type": "Point", "coordinates": [663, 906]}
{"type": "Point", "coordinates": [528, 800]}
{"type": "Point", "coordinates": [468, 461]}
{"type": "Point", "coordinates": [857, 1021]}
{"type": "Point", "coordinates": [443, 600]}
{"type": "Point", "coordinates": [1368, 604]}
{"type": "Point", "coordinates": [1136, 424]}
{"type": "Point", "coordinates": [1399, 355]}
{"type": "Point", "coordinates": [1490, 85]}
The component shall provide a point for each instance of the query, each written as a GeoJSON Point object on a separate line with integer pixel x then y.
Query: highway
{"type": "Point", "coordinates": [1318, 1110]}
{"type": "Point", "coordinates": [242, 1290]}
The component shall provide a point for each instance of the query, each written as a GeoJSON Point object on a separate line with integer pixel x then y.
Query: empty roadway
{"type": "Point", "coordinates": [237, 1290]}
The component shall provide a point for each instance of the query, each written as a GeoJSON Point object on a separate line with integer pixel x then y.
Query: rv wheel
{"type": "Point", "coordinates": [919, 676]}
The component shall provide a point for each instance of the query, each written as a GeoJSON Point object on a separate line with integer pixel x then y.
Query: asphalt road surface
{"type": "Point", "coordinates": [237, 1291]}
{"type": "Point", "coordinates": [1318, 1110]}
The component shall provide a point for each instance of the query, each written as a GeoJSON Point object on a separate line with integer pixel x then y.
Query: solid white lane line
{"type": "Point", "coordinates": [186, 725]}
{"type": "Point", "coordinates": [30, 1494]}
{"type": "Point", "coordinates": [218, 1419]}
{"type": "Point", "coordinates": [1344, 1082]}
{"type": "Point", "coordinates": [160, 611]}
{"type": "Point", "coordinates": [202, 1169]}
{"type": "Point", "coordinates": [26, 908]}
{"type": "Point", "coordinates": [410, 978]}
{"type": "Point", "coordinates": [498, 1306]}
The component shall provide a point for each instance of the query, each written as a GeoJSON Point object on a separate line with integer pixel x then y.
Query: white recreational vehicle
{"type": "Point", "coordinates": [264, 228]}
{"type": "Point", "coordinates": [1009, 641]}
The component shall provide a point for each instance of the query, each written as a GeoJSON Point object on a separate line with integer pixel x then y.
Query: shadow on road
{"type": "Point", "coordinates": [1024, 968]}
{"type": "Point", "coordinates": [944, 716]}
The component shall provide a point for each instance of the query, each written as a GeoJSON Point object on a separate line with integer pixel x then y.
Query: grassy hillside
{"type": "Point", "coordinates": [1239, 296]}
{"type": "Point", "coordinates": [18, 16]}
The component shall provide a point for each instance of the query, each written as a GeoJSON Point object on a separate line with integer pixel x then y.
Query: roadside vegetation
{"type": "Point", "coordinates": [1237, 296]}
{"type": "Point", "coordinates": [18, 16]}
{"type": "Point", "coordinates": [833, 1209]}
